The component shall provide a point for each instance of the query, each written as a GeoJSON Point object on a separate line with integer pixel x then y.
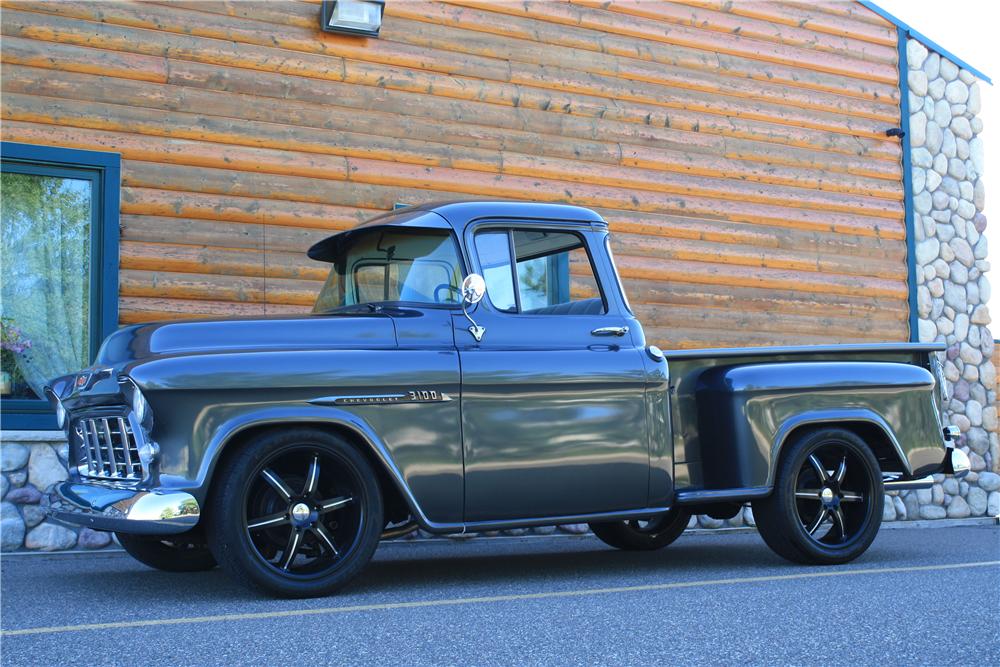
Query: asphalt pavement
{"type": "Point", "coordinates": [920, 596]}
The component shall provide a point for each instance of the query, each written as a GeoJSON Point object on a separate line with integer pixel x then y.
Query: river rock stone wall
{"type": "Point", "coordinates": [952, 288]}
{"type": "Point", "coordinates": [32, 462]}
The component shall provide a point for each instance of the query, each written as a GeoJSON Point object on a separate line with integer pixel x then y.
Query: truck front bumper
{"type": "Point", "coordinates": [124, 510]}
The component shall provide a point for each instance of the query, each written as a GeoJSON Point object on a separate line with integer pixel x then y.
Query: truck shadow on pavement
{"type": "Point", "coordinates": [414, 569]}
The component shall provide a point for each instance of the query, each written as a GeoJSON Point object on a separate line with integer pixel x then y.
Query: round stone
{"type": "Point", "coordinates": [888, 510]}
{"type": "Point", "coordinates": [25, 495]}
{"type": "Point", "coordinates": [11, 531]}
{"type": "Point", "coordinates": [45, 468]}
{"type": "Point", "coordinates": [900, 507]}
{"type": "Point", "coordinates": [916, 53]}
{"type": "Point", "coordinates": [93, 539]}
{"type": "Point", "coordinates": [958, 508]}
{"type": "Point", "coordinates": [956, 92]}
{"type": "Point", "coordinates": [949, 70]}
{"type": "Point", "coordinates": [33, 515]}
{"type": "Point", "coordinates": [989, 481]}
{"type": "Point", "coordinates": [977, 500]}
{"type": "Point", "coordinates": [960, 126]}
{"type": "Point", "coordinates": [13, 456]}
{"type": "Point", "coordinates": [932, 512]}
{"type": "Point", "coordinates": [574, 528]}
{"type": "Point", "coordinates": [50, 537]}
{"type": "Point", "coordinates": [993, 504]}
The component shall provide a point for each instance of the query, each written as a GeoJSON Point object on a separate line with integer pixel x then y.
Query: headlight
{"type": "Point", "coordinates": [60, 415]}
{"type": "Point", "coordinates": [140, 406]}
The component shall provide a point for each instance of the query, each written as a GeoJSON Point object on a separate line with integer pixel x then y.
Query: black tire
{"type": "Point", "coordinates": [169, 555]}
{"type": "Point", "coordinates": [295, 513]}
{"type": "Point", "coordinates": [826, 507]}
{"type": "Point", "coordinates": [643, 535]}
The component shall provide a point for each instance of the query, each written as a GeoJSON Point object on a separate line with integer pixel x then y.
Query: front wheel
{"type": "Point", "coordinates": [826, 507]}
{"type": "Point", "coordinates": [643, 534]}
{"type": "Point", "coordinates": [297, 513]}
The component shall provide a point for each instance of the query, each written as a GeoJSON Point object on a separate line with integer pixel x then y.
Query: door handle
{"type": "Point", "coordinates": [609, 331]}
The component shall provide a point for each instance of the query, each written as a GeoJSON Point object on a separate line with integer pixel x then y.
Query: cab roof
{"type": "Point", "coordinates": [455, 216]}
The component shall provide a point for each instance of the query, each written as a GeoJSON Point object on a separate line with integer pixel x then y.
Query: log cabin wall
{"type": "Point", "coordinates": [737, 149]}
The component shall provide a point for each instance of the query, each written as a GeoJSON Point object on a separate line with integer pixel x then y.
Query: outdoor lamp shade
{"type": "Point", "coordinates": [353, 17]}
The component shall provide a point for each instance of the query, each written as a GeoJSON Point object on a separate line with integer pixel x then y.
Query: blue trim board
{"type": "Point", "coordinates": [103, 169]}
{"type": "Point", "coordinates": [906, 30]}
{"type": "Point", "coordinates": [911, 240]}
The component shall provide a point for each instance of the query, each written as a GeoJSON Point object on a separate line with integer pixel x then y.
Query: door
{"type": "Point", "coordinates": [553, 411]}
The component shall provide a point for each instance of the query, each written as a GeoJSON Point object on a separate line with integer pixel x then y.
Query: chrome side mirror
{"type": "Point", "coordinates": [473, 291]}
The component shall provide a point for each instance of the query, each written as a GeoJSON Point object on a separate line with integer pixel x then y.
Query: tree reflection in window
{"type": "Point", "coordinates": [46, 263]}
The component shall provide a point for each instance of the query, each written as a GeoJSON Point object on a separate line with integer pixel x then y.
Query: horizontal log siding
{"type": "Point", "coordinates": [737, 149]}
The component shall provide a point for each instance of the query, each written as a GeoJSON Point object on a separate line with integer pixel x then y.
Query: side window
{"type": "Point", "coordinates": [494, 257]}
{"type": "Point", "coordinates": [552, 272]}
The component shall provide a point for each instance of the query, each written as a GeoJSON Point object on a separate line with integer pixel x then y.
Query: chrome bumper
{"type": "Point", "coordinates": [124, 510]}
{"type": "Point", "coordinates": [956, 463]}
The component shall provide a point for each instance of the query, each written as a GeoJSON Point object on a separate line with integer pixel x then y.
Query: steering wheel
{"type": "Point", "coordinates": [448, 287]}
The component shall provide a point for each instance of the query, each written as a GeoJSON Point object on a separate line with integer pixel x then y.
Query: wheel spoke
{"type": "Point", "coordinates": [277, 484]}
{"type": "Point", "coordinates": [818, 467]}
{"type": "Point", "coordinates": [268, 521]}
{"type": "Point", "coordinates": [851, 497]}
{"type": "Point", "coordinates": [294, 540]}
{"type": "Point", "coordinates": [838, 521]}
{"type": "Point", "coordinates": [312, 478]}
{"type": "Point", "coordinates": [808, 494]}
{"type": "Point", "coordinates": [841, 470]}
{"type": "Point", "coordinates": [325, 537]}
{"type": "Point", "coordinates": [334, 503]}
{"type": "Point", "coordinates": [818, 521]}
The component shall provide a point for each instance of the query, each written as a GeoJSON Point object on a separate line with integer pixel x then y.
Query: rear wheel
{"type": "Point", "coordinates": [643, 534]}
{"type": "Point", "coordinates": [175, 554]}
{"type": "Point", "coordinates": [297, 513]}
{"type": "Point", "coordinates": [826, 507]}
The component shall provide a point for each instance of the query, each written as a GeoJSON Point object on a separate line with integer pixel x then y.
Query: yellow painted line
{"type": "Point", "coordinates": [388, 606]}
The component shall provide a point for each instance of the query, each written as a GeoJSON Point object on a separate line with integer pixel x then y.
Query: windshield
{"type": "Point", "coordinates": [390, 266]}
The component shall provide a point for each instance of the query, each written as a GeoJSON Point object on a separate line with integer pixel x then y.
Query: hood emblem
{"type": "Point", "coordinates": [406, 396]}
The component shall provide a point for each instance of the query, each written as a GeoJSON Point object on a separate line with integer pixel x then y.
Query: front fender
{"type": "Point", "coordinates": [228, 431]}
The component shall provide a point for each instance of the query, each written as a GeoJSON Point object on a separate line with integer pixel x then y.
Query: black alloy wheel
{"type": "Point", "coordinates": [299, 513]}
{"type": "Point", "coordinates": [827, 502]}
{"type": "Point", "coordinates": [643, 534]}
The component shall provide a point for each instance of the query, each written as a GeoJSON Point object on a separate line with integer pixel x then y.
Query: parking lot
{"type": "Point", "coordinates": [719, 598]}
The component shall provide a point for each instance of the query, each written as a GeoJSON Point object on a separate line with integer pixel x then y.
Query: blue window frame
{"type": "Point", "coordinates": [60, 219]}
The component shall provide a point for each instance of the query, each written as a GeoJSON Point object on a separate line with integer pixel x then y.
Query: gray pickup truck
{"type": "Point", "coordinates": [476, 366]}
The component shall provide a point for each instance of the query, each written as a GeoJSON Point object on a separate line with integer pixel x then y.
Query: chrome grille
{"type": "Point", "coordinates": [108, 448]}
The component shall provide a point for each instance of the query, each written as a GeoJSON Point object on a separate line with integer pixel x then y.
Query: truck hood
{"type": "Point", "coordinates": [307, 332]}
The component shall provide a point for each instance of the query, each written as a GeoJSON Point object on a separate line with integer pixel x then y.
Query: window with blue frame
{"type": "Point", "coordinates": [58, 270]}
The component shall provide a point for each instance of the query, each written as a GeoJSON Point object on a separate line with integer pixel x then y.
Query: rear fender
{"type": "Point", "coordinates": [746, 413]}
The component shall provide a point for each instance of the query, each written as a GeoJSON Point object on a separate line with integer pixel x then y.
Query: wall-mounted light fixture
{"type": "Point", "coordinates": [352, 17]}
